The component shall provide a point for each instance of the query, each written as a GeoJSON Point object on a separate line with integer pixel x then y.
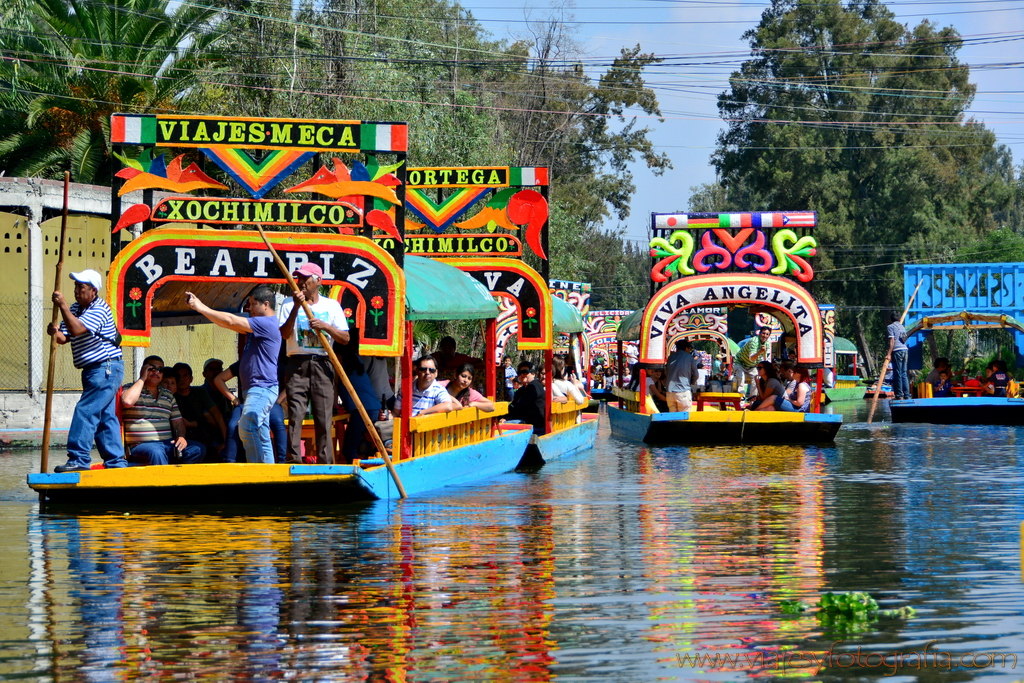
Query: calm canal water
{"type": "Point", "coordinates": [617, 564]}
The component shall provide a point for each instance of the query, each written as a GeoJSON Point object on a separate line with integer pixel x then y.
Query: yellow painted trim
{"type": "Point", "coordinates": [753, 416]}
{"type": "Point", "coordinates": [429, 423]}
{"type": "Point", "coordinates": [212, 474]}
{"type": "Point", "coordinates": [626, 394]}
{"type": "Point", "coordinates": [720, 394]}
{"type": "Point", "coordinates": [568, 407]}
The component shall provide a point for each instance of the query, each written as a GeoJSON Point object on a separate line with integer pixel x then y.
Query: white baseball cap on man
{"type": "Point", "coordinates": [89, 277]}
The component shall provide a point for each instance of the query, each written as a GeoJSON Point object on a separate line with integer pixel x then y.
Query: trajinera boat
{"type": "Point", "coordinates": [752, 260]}
{"type": "Point", "coordinates": [366, 260]}
{"type": "Point", "coordinates": [974, 297]}
{"type": "Point", "coordinates": [513, 201]}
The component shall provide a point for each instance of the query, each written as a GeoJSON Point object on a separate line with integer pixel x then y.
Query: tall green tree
{"type": "Point", "coordinates": [69, 64]}
{"type": "Point", "coordinates": [843, 110]}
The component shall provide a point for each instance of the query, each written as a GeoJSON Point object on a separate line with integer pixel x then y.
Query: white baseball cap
{"type": "Point", "coordinates": [89, 277]}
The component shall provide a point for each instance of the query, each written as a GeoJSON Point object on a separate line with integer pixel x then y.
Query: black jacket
{"type": "Point", "coordinates": [528, 404]}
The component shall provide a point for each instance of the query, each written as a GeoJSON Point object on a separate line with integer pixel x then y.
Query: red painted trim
{"type": "Point", "coordinates": [406, 413]}
{"type": "Point", "coordinates": [490, 359]}
{"type": "Point", "coordinates": [549, 356]}
{"type": "Point", "coordinates": [642, 407]}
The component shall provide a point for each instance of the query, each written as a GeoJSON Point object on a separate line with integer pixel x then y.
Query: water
{"type": "Point", "coordinates": [617, 564]}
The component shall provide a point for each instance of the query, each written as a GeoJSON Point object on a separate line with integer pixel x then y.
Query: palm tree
{"type": "Point", "coordinates": [67, 65]}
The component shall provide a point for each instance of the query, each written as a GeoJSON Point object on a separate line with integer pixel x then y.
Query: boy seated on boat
{"type": "Point", "coordinates": [942, 387]}
{"type": "Point", "coordinates": [154, 430]}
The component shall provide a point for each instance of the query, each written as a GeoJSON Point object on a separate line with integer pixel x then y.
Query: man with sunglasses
{"type": "Point", "coordinates": [529, 403]}
{"type": "Point", "coordinates": [153, 427]}
{"type": "Point", "coordinates": [427, 395]}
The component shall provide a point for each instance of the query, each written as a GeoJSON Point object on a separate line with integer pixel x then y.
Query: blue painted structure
{"type": "Point", "coordinates": [543, 449]}
{"type": "Point", "coordinates": [964, 410]}
{"type": "Point", "coordinates": [324, 485]}
{"type": "Point", "coordinates": [953, 287]}
{"type": "Point", "coordinates": [724, 427]}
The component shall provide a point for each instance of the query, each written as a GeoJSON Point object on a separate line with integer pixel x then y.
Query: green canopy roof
{"type": "Point", "coordinates": [566, 317]}
{"type": "Point", "coordinates": [844, 345]}
{"type": "Point", "coordinates": [629, 327]}
{"type": "Point", "coordinates": [437, 291]}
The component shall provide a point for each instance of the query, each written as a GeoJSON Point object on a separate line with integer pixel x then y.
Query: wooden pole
{"type": "Point", "coordinates": [326, 343]}
{"type": "Point", "coordinates": [44, 456]}
{"type": "Point", "coordinates": [888, 355]}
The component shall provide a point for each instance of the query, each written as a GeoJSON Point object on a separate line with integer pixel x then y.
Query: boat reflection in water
{"type": "Point", "coordinates": [219, 596]}
{"type": "Point", "coordinates": [765, 508]}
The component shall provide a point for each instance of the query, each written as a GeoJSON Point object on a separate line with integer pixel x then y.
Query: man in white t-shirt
{"type": "Point", "coordinates": [309, 376]}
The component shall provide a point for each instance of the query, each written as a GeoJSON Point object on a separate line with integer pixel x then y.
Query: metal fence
{"type": "Point", "coordinates": [189, 344]}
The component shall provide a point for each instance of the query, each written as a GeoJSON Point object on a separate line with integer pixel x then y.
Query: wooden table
{"type": "Point", "coordinates": [721, 399]}
{"type": "Point", "coordinates": [967, 391]}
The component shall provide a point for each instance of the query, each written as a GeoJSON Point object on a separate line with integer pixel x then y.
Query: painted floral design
{"type": "Point", "coordinates": [530, 318]}
{"type": "Point", "coordinates": [135, 294]}
{"type": "Point", "coordinates": [376, 303]}
{"type": "Point", "coordinates": [349, 317]}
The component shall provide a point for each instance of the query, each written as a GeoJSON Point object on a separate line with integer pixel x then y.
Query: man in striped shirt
{"type": "Point", "coordinates": [153, 426]}
{"type": "Point", "coordinates": [428, 396]}
{"type": "Point", "coordinates": [89, 326]}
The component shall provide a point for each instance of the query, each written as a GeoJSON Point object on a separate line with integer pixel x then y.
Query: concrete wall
{"type": "Point", "coordinates": [39, 201]}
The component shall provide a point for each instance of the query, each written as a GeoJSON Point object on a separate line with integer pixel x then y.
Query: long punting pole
{"type": "Point", "coordinates": [325, 342]}
{"type": "Point", "coordinates": [888, 355]}
{"type": "Point", "coordinates": [44, 456]}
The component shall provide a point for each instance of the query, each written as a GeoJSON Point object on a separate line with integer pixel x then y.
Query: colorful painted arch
{"type": "Point", "coordinates": [514, 280]}
{"type": "Point", "coordinates": [222, 266]}
{"type": "Point", "coordinates": [742, 289]}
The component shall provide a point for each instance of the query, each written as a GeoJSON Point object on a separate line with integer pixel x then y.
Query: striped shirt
{"type": "Point", "coordinates": [87, 348]}
{"type": "Point", "coordinates": [433, 395]}
{"type": "Point", "coordinates": [150, 418]}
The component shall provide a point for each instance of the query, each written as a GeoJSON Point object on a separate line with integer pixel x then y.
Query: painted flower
{"type": "Point", "coordinates": [530, 319]}
{"type": "Point", "coordinates": [376, 303]}
{"type": "Point", "coordinates": [134, 305]}
{"type": "Point", "coordinates": [348, 312]}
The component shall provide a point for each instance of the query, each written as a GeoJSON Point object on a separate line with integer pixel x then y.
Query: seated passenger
{"type": "Point", "coordinates": [799, 399]}
{"type": "Point", "coordinates": [997, 378]}
{"type": "Point", "coordinates": [428, 396]}
{"type": "Point", "coordinates": [449, 360]}
{"type": "Point", "coordinates": [657, 389]}
{"type": "Point", "coordinates": [942, 388]}
{"type": "Point", "coordinates": [769, 387]}
{"type": "Point", "coordinates": [153, 428]}
{"type": "Point", "coordinates": [201, 415]}
{"type": "Point", "coordinates": [938, 366]}
{"type": "Point", "coordinates": [529, 403]}
{"type": "Point", "coordinates": [562, 388]}
{"type": "Point", "coordinates": [462, 393]}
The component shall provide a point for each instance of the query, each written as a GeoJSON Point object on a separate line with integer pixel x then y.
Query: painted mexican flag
{"type": "Point", "coordinates": [133, 129]}
{"type": "Point", "coordinates": [528, 176]}
{"type": "Point", "coordinates": [384, 137]}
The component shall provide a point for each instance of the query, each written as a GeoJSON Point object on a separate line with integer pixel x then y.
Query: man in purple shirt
{"type": "Point", "coordinates": [258, 371]}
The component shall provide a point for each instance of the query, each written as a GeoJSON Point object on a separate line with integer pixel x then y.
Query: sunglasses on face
{"type": "Point", "coordinates": [431, 370]}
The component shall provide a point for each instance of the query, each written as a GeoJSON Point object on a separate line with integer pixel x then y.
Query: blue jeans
{"type": "Point", "coordinates": [95, 418]}
{"type": "Point", "coordinates": [162, 453]}
{"type": "Point", "coordinates": [234, 445]}
{"type": "Point", "coordinates": [900, 380]}
{"type": "Point", "coordinates": [254, 424]}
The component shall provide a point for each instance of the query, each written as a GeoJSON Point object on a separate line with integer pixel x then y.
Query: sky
{"type": "Point", "coordinates": [713, 28]}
